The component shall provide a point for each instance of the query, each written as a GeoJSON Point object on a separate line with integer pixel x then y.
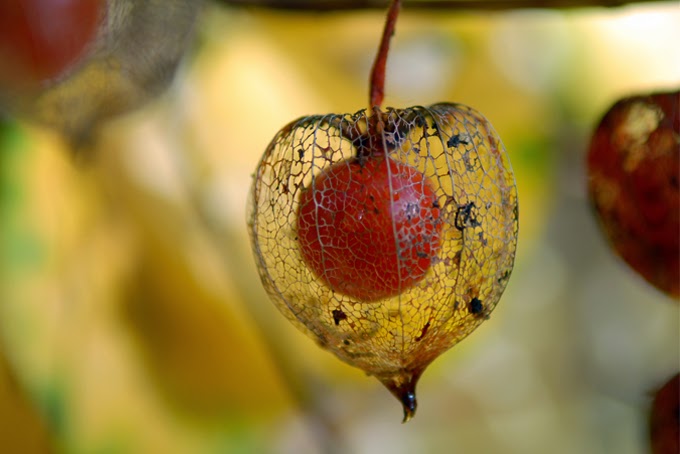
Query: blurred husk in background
{"type": "Point", "coordinates": [131, 315]}
{"type": "Point", "coordinates": [131, 59]}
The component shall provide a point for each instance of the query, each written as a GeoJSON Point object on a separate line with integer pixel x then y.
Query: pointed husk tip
{"type": "Point", "coordinates": [403, 387]}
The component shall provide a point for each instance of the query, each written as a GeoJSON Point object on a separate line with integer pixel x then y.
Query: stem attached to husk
{"type": "Point", "coordinates": [377, 83]}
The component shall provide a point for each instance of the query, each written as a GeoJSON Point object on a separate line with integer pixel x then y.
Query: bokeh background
{"type": "Point", "coordinates": [131, 315]}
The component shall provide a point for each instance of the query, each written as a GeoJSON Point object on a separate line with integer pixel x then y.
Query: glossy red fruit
{"type": "Point", "coordinates": [664, 421]}
{"type": "Point", "coordinates": [634, 170]}
{"type": "Point", "coordinates": [39, 39]}
{"type": "Point", "coordinates": [369, 228]}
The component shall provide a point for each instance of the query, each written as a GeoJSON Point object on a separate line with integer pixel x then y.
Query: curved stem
{"type": "Point", "coordinates": [377, 88]}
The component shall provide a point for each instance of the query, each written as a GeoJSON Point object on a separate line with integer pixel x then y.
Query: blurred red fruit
{"type": "Point", "coordinates": [39, 39]}
{"type": "Point", "coordinates": [664, 422]}
{"type": "Point", "coordinates": [634, 169]}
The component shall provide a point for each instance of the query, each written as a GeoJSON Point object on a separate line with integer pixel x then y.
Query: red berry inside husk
{"type": "Point", "coordinates": [387, 236]}
{"type": "Point", "coordinates": [368, 227]}
{"type": "Point", "coordinates": [634, 169]}
{"type": "Point", "coordinates": [664, 419]}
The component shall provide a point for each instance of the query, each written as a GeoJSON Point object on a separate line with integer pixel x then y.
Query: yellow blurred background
{"type": "Point", "coordinates": [132, 319]}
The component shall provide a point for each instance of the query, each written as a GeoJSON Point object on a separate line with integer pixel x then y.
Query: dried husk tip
{"type": "Point", "coordinates": [403, 387]}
